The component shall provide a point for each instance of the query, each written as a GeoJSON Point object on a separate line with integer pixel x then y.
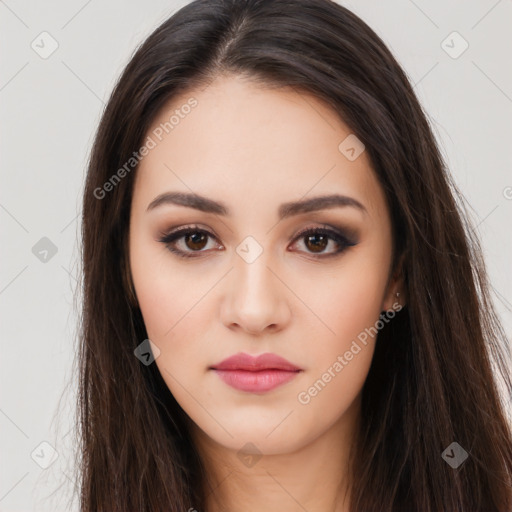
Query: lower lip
{"type": "Point", "coordinates": [255, 382]}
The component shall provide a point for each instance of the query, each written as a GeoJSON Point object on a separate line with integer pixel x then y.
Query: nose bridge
{"type": "Point", "coordinates": [256, 299]}
{"type": "Point", "coordinates": [253, 279]}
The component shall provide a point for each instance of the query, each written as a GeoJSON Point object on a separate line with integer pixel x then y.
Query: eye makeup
{"type": "Point", "coordinates": [319, 236]}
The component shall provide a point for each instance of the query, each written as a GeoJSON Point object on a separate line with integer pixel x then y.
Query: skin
{"type": "Point", "coordinates": [254, 148]}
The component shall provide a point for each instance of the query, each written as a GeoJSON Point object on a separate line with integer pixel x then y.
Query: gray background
{"type": "Point", "coordinates": [50, 109]}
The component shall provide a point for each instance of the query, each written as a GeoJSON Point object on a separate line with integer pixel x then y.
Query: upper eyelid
{"type": "Point", "coordinates": [190, 228]}
{"type": "Point", "coordinates": [181, 231]}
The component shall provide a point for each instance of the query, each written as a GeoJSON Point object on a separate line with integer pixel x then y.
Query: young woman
{"type": "Point", "coordinates": [284, 307]}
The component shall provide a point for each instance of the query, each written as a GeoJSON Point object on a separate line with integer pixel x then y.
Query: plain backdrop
{"type": "Point", "coordinates": [50, 108]}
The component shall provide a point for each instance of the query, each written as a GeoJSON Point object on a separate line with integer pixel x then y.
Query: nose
{"type": "Point", "coordinates": [255, 298]}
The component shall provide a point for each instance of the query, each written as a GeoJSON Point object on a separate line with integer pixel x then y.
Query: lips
{"type": "Point", "coordinates": [255, 374]}
{"type": "Point", "coordinates": [247, 362]}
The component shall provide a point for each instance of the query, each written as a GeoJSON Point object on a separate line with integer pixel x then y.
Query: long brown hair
{"type": "Point", "coordinates": [433, 376]}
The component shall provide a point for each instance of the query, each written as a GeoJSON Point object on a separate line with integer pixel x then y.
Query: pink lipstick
{"type": "Point", "coordinates": [255, 374]}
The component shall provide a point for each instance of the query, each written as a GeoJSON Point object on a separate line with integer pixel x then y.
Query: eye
{"type": "Point", "coordinates": [192, 237]}
{"type": "Point", "coordinates": [316, 240]}
{"type": "Point", "coordinates": [194, 240]}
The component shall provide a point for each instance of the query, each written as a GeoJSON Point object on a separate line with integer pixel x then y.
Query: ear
{"type": "Point", "coordinates": [395, 297]}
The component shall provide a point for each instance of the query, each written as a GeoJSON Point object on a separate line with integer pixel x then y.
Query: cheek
{"type": "Point", "coordinates": [175, 324]}
{"type": "Point", "coordinates": [173, 318]}
{"type": "Point", "coordinates": [164, 292]}
{"type": "Point", "coordinates": [355, 304]}
{"type": "Point", "coordinates": [176, 312]}
{"type": "Point", "coordinates": [342, 354]}
{"type": "Point", "coordinates": [349, 300]}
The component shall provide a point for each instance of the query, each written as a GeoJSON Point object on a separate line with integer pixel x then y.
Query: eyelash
{"type": "Point", "coordinates": [343, 241]}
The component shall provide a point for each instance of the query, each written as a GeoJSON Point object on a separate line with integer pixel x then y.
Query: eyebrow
{"type": "Point", "coordinates": [204, 204]}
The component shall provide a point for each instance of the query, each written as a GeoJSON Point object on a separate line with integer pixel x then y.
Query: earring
{"type": "Point", "coordinates": [398, 294]}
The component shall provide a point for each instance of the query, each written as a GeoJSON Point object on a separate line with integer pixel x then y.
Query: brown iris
{"type": "Point", "coordinates": [197, 239]}
{"type": "Point", "coordinates": [318, 241]}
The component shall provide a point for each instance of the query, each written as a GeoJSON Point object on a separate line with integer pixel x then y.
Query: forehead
{"type": "Point", "coordinates": [262, 143]}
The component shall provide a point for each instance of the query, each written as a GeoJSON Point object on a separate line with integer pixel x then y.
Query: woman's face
{"type": "Point", "coordinates": [250, 165]}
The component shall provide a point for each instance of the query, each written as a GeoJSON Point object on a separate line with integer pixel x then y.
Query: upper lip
{"type": "Point", "coordinates": [267, 361]}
